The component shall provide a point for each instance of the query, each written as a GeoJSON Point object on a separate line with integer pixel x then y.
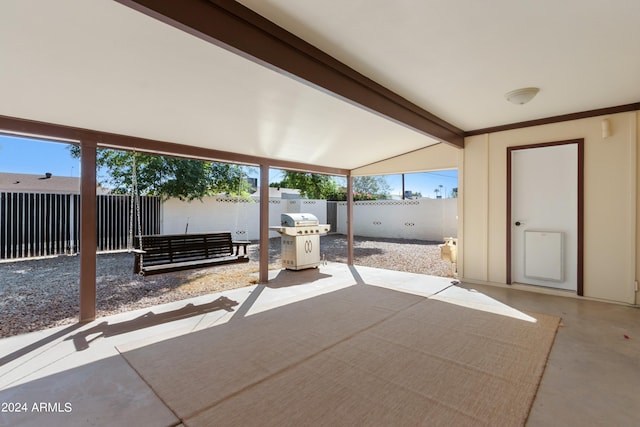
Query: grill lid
{"type": "Point", "coordinates": [298, 219]}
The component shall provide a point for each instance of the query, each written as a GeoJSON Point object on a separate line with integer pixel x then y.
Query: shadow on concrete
{"type": "Point", "coordinates": [287, 278]}
{"type": "Point", "coordinates": [104, 329]}
{"type": "Point", "coordinates": [38, 344]}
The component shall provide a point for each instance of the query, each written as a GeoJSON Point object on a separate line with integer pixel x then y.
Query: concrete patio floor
{"type": "Point", "coordinates": [75, 375]}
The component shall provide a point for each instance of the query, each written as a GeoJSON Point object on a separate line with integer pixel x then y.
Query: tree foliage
{"type": "Point", "coordinates": [316, 186]}
{"type": "Point", "coordinates": [375, 185]}
{"type": "Point", "coordinates": [167, 177]}
{"type": "Point", "coordinates": [311, 185]}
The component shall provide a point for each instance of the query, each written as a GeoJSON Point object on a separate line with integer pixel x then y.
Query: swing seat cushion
{"type": "Point", "coordinates": [164, 253]}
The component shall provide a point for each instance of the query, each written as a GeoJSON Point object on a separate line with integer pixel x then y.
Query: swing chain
{"type": "Point", "coordinates": [135, 205]}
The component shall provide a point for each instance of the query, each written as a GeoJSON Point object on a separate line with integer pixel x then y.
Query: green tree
{"type": "Point", "coordinates": [168, 177]}
{"type": "Point", "coordinates": [341, 196]}
{"type": "Point", "coordinates": [316, 186]}
{"type": "Point", "coordinates": [311, 185]}
{"type": "Point", "coordinates": [364, 188]}
{"type": "Point", "coordinates": [376, 186]}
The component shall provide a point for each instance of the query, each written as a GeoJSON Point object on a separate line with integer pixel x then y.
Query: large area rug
{"type": "Point", "coordinates": [363, 355]}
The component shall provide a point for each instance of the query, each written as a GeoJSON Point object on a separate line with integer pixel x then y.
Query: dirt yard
{"type": "Point", "coordinates": [42, 293]}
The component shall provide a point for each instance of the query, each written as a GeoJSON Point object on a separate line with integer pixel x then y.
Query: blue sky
{"type": "Point", "coordinates": [21, 155]}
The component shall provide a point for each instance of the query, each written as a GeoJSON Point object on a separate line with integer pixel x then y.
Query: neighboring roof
{"type": "Point", "coordinates": [283, 193]}
{"type": "Point", "coordinates": [29, 183]}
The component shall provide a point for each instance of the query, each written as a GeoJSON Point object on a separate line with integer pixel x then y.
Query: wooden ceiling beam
{"type": "Point", "coordinates": [60, 133]}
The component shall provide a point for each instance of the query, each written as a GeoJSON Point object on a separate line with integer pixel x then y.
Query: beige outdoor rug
{"type": "Point", "coordinates": [359, 356]}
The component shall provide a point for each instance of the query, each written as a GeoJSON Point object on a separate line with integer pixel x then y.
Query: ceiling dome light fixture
{"type": "Point", "coordinates": [522, 96]}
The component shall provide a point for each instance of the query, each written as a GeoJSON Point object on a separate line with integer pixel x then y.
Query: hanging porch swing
{"type": "Point", "coordinates": [165, 253]}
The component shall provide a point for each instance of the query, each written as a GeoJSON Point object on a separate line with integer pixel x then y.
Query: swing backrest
{"type": "Point", "coordinates": [172, 248]}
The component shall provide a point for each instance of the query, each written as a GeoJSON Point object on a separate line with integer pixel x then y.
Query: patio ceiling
{"type": "Point", "coordinates": [103, 66]}
{"type": "Point", "coordinates": [457, 59]}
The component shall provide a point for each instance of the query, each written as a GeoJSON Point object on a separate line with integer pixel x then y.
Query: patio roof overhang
{"type": "Point", "coordinates": [214, 78]}
{"type": "Point", "coordinates": [322, 83]}
{"type": "Point", "coordinates": [238, 29]}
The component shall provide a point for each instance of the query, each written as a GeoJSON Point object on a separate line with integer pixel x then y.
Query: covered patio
{"type": "Point", "coordinates": [343, 90]}
{"type": "Point", "coordinates": [226, 359]}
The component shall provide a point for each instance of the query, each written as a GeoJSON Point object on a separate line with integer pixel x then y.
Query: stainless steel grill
{"type": "Point", "coordinates": [300, 240]}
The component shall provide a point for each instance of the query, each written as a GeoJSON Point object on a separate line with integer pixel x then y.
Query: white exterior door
{"type": "Point", "coordinates": [544, 216]}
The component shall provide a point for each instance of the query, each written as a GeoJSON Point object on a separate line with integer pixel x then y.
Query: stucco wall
{"type": "Point", "coordinates": [423, 219]}
{"type": "Point", "coordinates": [610, 202]}
{"type": "Point", "coordinates": [240, 217]}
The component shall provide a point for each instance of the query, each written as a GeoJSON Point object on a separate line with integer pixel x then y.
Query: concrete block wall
{"type": "Point", "coordinates": [423, 219]}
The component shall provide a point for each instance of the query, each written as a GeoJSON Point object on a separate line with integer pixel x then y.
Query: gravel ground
{"type": "Point", "coordinates": [42, 293]}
